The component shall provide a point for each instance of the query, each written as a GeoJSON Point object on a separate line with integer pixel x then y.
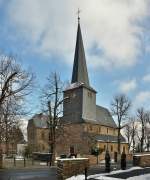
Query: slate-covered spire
{"type": "Point", "coordinates": [79, 73]}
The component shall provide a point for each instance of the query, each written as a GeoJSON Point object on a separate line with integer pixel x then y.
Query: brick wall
{"type": "Point", "coordinates": [92, 159]}
{"type": "Point", "coordinates": [38, 139]}
{"type": "Point", "coordinates": [142, 160]}
{"type": "Point", "coordinates": [72, 136]}
{"type": "Point", "coordinates": [70, 167]}
{"type": "Point", "coordinates": [76, 135]}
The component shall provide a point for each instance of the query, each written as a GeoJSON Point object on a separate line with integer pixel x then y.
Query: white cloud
{"type": "Point", "coordinates": [50, 27]}
{"type": "Point", "coordinates": [146, 78]}
{"type": "Point", "coordinates": [142, 99]}
{"type": "Point", "coordinates": [128, 86]}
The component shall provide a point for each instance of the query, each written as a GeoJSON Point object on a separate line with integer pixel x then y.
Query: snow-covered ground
{"type": "Point", "coordinates": [103, 176]}
{"type": "Point", "coordinates": [142, 154]}
{"type": "Point", "coordinates": [142, 177]}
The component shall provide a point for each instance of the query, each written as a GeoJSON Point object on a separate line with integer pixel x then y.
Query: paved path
{"type": "Point", "coordinates": [51, 173]}
{"type": "Point", "coordinates": [38, 174]}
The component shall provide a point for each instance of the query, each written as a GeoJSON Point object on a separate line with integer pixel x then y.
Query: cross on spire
{"type": "Point", "coordinates": [78, 12]}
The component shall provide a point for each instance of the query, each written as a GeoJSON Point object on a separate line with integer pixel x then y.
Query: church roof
{"type": "Point", "coordinates": [109, 138]}
{"type": "Point", "coordinates": [80, 73]}
{"type": "Point", "coordinates": [104, 117]}
{"type": "Point", "coordinates": [39, 120]}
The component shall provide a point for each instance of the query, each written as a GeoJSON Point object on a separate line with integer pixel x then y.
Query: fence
{"type": "Point", "coordinates": [24, 163]}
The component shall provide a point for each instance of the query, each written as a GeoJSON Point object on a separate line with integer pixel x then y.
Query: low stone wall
{"type": "Point", "coordinates": [129, 157]}
{"type": "Point", "coordinates": [70, 167]}
{"type": "Point", "coordinates": [142, 160]}
{"type": "Point", "coordinates": [92, 159]}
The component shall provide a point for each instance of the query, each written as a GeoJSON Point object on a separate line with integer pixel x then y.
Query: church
{"type": "Point", "coordinates": [85, 124]}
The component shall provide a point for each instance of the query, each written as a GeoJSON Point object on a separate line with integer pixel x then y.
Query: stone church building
{"type": "Point", "coordinates": [85, 124]}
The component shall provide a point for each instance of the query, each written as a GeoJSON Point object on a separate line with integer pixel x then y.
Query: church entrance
{"type": "Point", "coordinates": [71, 149]}
{"type": "Point", "coordinates": [72, 152]}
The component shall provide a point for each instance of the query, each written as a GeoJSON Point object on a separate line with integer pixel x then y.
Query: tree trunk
{"type": "Point", "coordinates": [142, 139]}
{"type": "Point", "coordinates": [119, 140]}
{"type": "Point", "coordinates": [53, 154]}
{"type": "Point", "coordinates": [129, 143]}
{"type": "Point", "coordinates": [6, 141]}
{"type": "Point", "coordinates": [133, 145]}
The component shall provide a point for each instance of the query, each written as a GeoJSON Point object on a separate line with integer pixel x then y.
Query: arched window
{"type": "Point", "coordinates": [90, 127]}
{"type": "Point", "coordinates": [99, 129]}
{"type": "Point", "coordinates": [124, 149]}
{"type": "Point", "coordinates": [111, 148]}
{"type": "Point", "coordinates": [114, 132]}
{"type": "Point", "coordinates": [107, 130]}
{"type": "Point", "coordinates": [71, 149]}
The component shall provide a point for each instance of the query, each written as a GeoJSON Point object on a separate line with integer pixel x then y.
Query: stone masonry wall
{"type": "Point", "coordinates": [70, 167]}
{"type": "Point", "coordinates": [142, 160]}
{"type": "Point", "coordinates": [76, 135]}
{"type": "Point", "coordinates": [72, 136]}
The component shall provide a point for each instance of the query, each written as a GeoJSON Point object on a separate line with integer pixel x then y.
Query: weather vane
{"type": "Point", "coordinates": [78, 12]}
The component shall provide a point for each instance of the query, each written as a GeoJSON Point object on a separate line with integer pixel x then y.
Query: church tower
{"type": "Point", "coordinates": [82, 118]}
{"type": "Point", "coordinates": [80, 98]}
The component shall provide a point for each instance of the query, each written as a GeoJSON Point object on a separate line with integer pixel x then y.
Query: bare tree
{"type": "Point", "coordinates": [52, 96]}
{"type": "Point", "coordinates": [120, 107]}
{"type": "Point", "coordinates": [147, 137]}
{"type": "Point", "coordinates": [15, 85]}
{"type": "Point", "coordinates": [143, 118]}
{"type": "Point", "coordinates": [16, 136]}
{"type": "Point", "coordinates": [148, 131]}
{"type": "Point", "coordinates": [128, 134]}
{"type": "Point", "coordinates": [14, 81]}
{"type": "Point", "coordinates": [131, 133]}
{"type": "Point", "coordinates": [11, 113]}
{"type": "Point", "coordinates": [134, 127]}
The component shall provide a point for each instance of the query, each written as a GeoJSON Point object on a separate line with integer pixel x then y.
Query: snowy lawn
{"type": "Point", "coordinates": [103, 176]}
{"type": "Point", "coordinates": [142, 177]}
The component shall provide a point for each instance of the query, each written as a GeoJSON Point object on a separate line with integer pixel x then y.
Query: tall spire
{"type": "Point", "coordinates": [79, 73]}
